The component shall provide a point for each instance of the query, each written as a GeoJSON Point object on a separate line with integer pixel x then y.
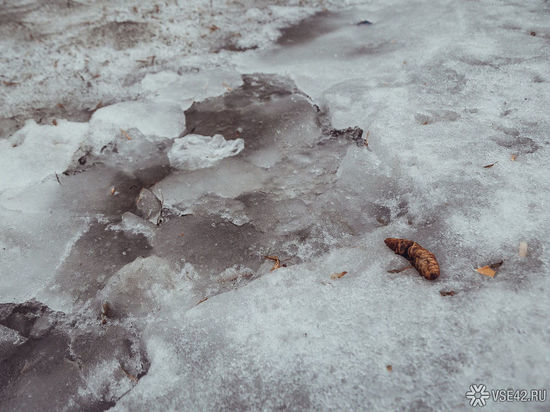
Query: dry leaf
{"type": "Point", "coordinates": [275, 259]}
{"type": "Point", "coordinates": [338, 275]}
{"type": "Point", "coordinates": [182, 234]}
{"type": "Point", "coordinates": [487, 271]}
{"type": "Point", "coordinates": [104, 313]}
{"type": "Point", "coordinates": [125, 133]}
{"type": "Point", "coordinates": [389, 368]}
{"type": "Point", "coordinates": [54, 122]}
{"type": "Point", "coordinates": [489, 166]}
{"type": "Point", "coordinates": [447, 292]}
{"type": "Point", "coordinates": [496, 265]}
{"type": "Point", "coordinates": [202, 300]}
{"type": "Point", "coordinates": [522, 249]}
{"type": "Point", "coordinates": [401, 270]}
{"type": "Point", "coordinates": [112, 191]}
{"type": "Point", "coordinates": [366, 143]}
{"type": "Point", "coordinates": [98, 106]}
{"type": "Point", "coordinates": [132, 377]}
{"type": "Point", "coordinates": [513, 157]}
{"type": "Point", "coordinates": [422, 259]}
{"type": "Point", "coordinates": [213, 28]}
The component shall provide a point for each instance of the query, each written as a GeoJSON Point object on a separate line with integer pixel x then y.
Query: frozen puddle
{"type": "Point", "coordinates": [166, 221]}
{"type": "Point", "coordinates": [274, 194]}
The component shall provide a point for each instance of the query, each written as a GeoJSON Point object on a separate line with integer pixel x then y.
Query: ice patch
{"type": "Point", "coordinates": [195, 151]}
{"type": "Point", "coordinates": [35, 152]}
{"type": "Point", "coordinates": [151, 118]}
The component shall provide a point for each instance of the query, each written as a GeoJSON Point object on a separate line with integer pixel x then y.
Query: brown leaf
{"type": "Point", "coordinates": [447, 292]}
{"type": "Point", "coordinates": [422, 259]}
{"type": "Point", "coordinates": [513, 157]}
{"type": "Point", "coordinates": [54, 122]}
{"type": "Point", "coordinates": [113, 191]}
{"type": "Point", "coordinates": [213, 28]}
{"type": "Point", "coordinates": [125, 133]}
{"type": "Point", "coordinates": [202, 300]}
{"type": "Point", "coordinates": [496, 265]}
{"type": "Point", "coordinates": [132, 377]}
{"type": "Point", "coordinates": [489, 166]}
{"type": "Point", "coordinates": [275, 259]}
{"type": "Point", "coordinates": [98, 106]}
{"type": "Point", "coordinates": [338, 275]}
{"type": "Point", "coordinates": [389, 368]}
{"type": "Point", "coordinates": [7, 83]}
{"type": "Point", "coordinates": [487, 271]}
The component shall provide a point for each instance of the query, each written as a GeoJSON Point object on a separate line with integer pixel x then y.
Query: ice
{"type": "Point", "coordinates": [194, 151]}
{"type": "Point", "coordinates": [151, 118]}
{"type": "Point", "coordinates": [154, 162]}
{"type": "Point", "coordinates": [89, 365]}
{"type": "Point", "coordinates": [140, 287]}
{"type": "Point", "coordinates": [148, 205]}
{"type": "Point", "coordinates": [56, 145]}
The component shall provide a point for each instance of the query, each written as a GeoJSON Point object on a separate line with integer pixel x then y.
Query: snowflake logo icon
{"type": "Point", "coordinates": [477, 395]}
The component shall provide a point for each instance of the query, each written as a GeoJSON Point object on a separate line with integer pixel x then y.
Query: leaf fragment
{"type": "Point", "coordinates": [104, 312]}
{"type": "Point", "coordinates": [126, 135]}
{"type": "Point", "coordinates": [202, 300]}
{"type": "Point", "coordinates": [522, 249]}
{"type": "Point", "coordinates": [513, 157]}
{"type": "Point", "coordinates": [338, 275]}
{"type": "Point", "coordinates": [389, 368]}
{"type": "Point", "coordinates": [447, 292]}
{"type": "Point", "coordinates": [489, 166]}
{"type": "Point", "coordinates": [487, 271]}
{"type": "Point", "coordinates": [275, 259]}
{"type": "Point", "coordinates": [129, 375]}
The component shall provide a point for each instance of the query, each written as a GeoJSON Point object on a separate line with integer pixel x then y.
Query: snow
{"type": "Point", "coordinates": [159, 185]}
